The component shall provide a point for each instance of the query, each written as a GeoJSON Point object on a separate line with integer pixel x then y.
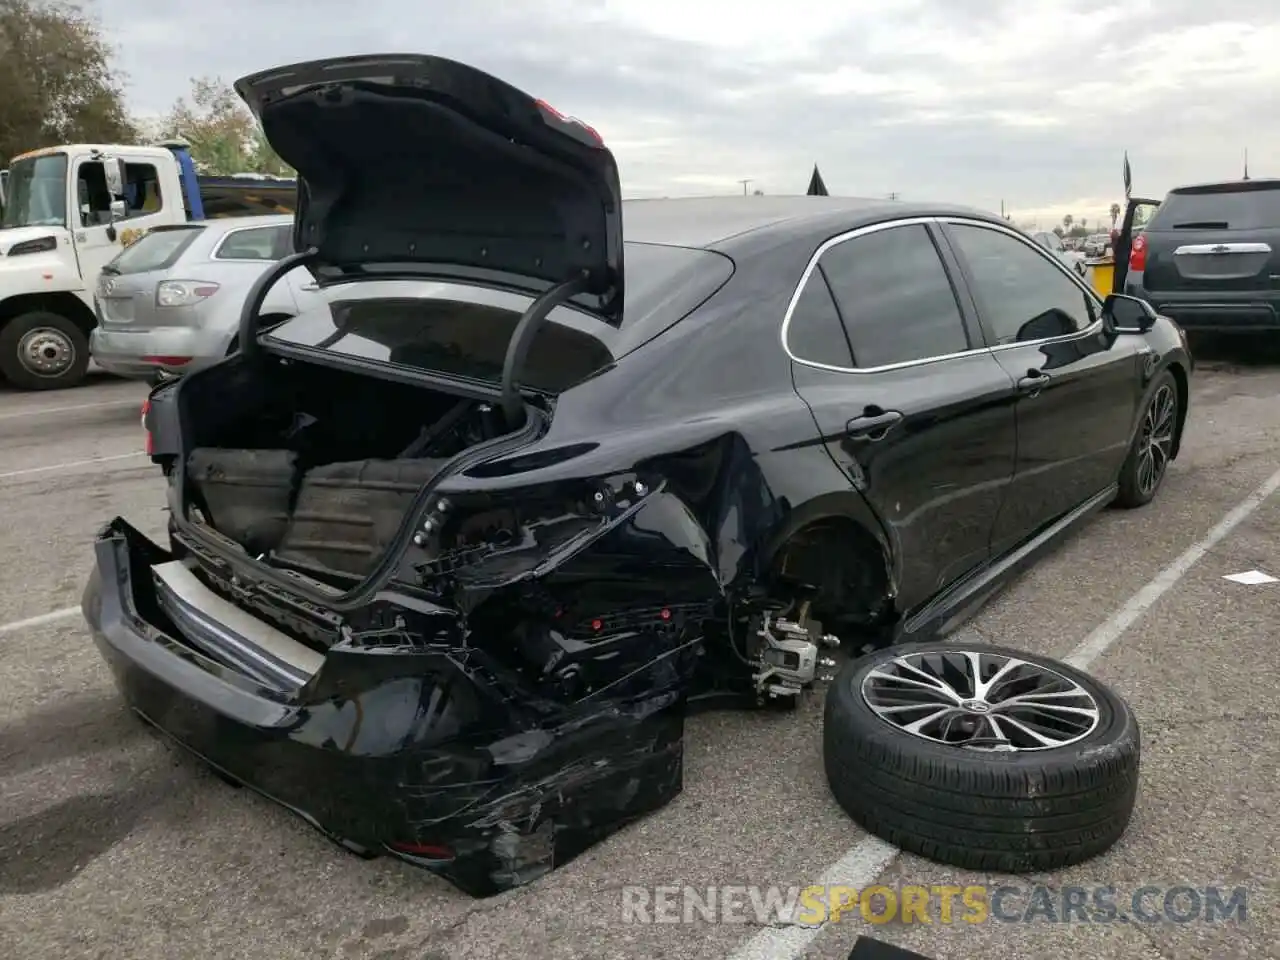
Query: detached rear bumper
{"type": "Point", "coordinates": [409, 753]}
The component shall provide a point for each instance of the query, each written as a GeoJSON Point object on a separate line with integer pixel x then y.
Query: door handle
{"type": "Point", "coordinates": [1033, 383]}
{"type": "Point", "coordinates": [309, 287]}
{"type": "Point", "coordinates": [872, 426]}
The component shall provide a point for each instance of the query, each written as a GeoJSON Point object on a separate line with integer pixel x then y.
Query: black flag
{"type": "Point", "coordinates": [816, 187]}
{"type": "Point", "coordinates": [1128, 177]}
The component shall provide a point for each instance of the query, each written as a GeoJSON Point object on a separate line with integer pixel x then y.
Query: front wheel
{"type": "Point", "coordinates": [43, 351]}
{"type": "Point", "coordinates": [1152, 449]}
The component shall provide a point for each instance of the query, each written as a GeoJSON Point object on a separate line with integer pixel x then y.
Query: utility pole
{"type": "Point", "coordinates": [744, 185]}
{"type": "Point", "coordinates": [1246, 163]}
{"type": "Point", "coordinates": [893, 195]}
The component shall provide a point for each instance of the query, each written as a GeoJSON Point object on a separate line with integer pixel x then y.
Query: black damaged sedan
{"type": "Point", "coordinates": [450, 558]}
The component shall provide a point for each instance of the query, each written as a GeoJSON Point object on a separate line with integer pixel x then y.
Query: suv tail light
{"type": "Point", "coordinates": [1138, 253]}
{"type": "Point", "coordinates": [149, 443]}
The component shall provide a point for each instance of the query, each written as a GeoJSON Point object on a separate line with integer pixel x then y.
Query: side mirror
{"type": "Point", "coordinates": [114, 173]}
{"type": "Point", "coordinates": [118, 209]}
{"type": "Point", "coordinates": [1126, 314]}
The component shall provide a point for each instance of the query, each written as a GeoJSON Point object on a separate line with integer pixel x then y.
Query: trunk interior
{"type": "Point", "coordinates": [314, 468]}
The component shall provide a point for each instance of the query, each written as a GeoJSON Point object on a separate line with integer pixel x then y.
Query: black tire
{"type": "Point", "coordinates": [1134, 492]}
{"type": "Point", "coordinates": [12, 335]}
{"type": "Point", "coordinates": [1004, 812]}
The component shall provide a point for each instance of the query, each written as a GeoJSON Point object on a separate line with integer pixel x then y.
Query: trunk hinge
{"type": "Point", "coordinates": [248, 337]}
{"type": "Point", "coordinates": [522, 339]}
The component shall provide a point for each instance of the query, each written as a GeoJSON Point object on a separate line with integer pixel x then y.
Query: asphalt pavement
{"type": "Point", "coordinates": [112, 844]}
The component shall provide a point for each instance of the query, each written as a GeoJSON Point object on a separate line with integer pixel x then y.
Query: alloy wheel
{"type": "Point", "coordinates": [1155, 440]}
{"type": "Point", "coordinates": [979, 700]}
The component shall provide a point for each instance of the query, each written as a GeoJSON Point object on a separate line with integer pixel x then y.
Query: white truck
{"type": "Point", "coordinates": [67, 211]}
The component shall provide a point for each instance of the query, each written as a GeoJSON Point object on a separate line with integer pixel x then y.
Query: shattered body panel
{"type": "Point", "coordinates": [434, 753]}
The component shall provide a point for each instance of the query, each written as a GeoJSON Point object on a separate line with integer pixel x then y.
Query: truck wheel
{"type": "Point", "coordinates": [43, 351]}
{"type": "Point", "coordinates": [981, 757]}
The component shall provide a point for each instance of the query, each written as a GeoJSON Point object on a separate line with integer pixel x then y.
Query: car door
{"type": "Point", "coordinates": [1078, 385]}
{"type": "Point", "coordinates": [909, 402]}
{"type": "Point", "coordinates": [97, 239]}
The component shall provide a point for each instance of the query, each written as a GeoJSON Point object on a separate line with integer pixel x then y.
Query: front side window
{"type": "Point", "coordinates": [1022, 295]}
{"type": "Point", "coordinates": [895, 297]}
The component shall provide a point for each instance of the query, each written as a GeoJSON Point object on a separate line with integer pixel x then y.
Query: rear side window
{"type": "Point", "coordinates": [255, 243]}
{"type": "Point", "coordinates": [1206, 208]}
{"type": "Point", "coordinates": [815, 333]}
{"type": "Point", "coordinates": [158, 249]}
{"type": "Point", "coordinates": [895, 297]}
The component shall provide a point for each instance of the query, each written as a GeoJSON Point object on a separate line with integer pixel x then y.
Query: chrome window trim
{"type": "Point", "coordinates": [1194, 249]}
{"type": "Point", "coordinates": [217, 247]}
{"type": "Point", "coordinates": [1044, 254]}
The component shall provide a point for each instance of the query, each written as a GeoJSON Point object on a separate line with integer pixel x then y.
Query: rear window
{"type": "Point", "coordinates": [157, 250]}
{"type": "Point", "coordinates": [463, 330]}
{"type": "Point", "coordinates": [1208, 208]}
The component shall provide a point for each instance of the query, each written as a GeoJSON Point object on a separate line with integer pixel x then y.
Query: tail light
{"type": "Point", "coordinates": [183, 293]}
{"type": "Point", "coordinates": [1138, 253]}
{"type": "Point", "coordinates": [149, 444]}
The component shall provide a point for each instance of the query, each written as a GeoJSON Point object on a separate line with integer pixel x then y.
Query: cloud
{"type": "Point", "coordinates": [1029, 103]}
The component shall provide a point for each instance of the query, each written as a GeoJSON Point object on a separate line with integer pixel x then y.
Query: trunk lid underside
{"type": "Point", "coordinates": [424, 165]}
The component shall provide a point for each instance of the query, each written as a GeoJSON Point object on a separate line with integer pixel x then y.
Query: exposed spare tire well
{"type": "Point", "coordinates": [316, 466]}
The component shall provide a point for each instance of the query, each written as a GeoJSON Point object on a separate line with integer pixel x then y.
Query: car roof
{"type": "Point", "coordinates": [712, 222]}
{"type": "Point", "coordinates": [1253, 183]}
{"type": "Point", "coordinates": [227, 224]}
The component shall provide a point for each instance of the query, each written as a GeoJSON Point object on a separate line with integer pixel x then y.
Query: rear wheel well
{"type": "Point", "coordinates": [1183, 385]}
{"type": "Point", "coordinates": [844, 563]}
{"type": "Point", "coordinates": [63, 304]}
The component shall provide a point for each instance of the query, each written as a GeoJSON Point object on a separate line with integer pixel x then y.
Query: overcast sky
{"type": "Point", "coordinates": [972, 101]}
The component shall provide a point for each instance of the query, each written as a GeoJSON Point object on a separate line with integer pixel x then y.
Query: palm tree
{"type": "Point", "coordinates": [1067, 221]}
{"type": "Point", "coordinates": [1115, 214]}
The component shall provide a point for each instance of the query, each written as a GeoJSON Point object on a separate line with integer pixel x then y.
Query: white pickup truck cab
{"type": "Point", "coordinates": [68, 211]}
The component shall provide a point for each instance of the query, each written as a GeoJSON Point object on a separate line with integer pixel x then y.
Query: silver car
{"type": "Point", "coordinates": [1052, 242]}
{"type": "Point", "coordinates": [170, 302]}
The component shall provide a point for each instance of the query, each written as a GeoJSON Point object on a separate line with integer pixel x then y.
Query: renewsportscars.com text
{"type": "Point", "coordinates": [812, 905]}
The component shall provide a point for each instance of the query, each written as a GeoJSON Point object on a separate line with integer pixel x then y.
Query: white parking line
{"type": "Point", "coordinates": [70, 408]}
{"type": "Point", "coordinates": [69, 464]}
{"type": "Point", "coordinates": [39, 621]}
{"type": "Point", "coordinates": [860, 867]}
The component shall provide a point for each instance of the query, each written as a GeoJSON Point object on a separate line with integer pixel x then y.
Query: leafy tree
{"type": "Point", "coordinates": [1067, 221]}
{"type": "Point", "coordinates": [224, 136]}
{"type": "Point", "coordinates": [1059, 231]}
{"type": "Point", "coordinates": [1115, 214]}
{"type": "Point", "coordinates": [57, 83]}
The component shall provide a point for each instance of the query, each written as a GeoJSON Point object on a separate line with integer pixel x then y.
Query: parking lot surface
{"type": "Point", "coordinates": [112, 844]}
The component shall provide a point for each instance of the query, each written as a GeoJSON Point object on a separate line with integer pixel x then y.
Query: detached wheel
{"type": "Point", "coordinates": [1152, 449]}
{"type": "Point", "coordinates": [981, 757]}
{"type": "Point", "coordinates": [43, 351]}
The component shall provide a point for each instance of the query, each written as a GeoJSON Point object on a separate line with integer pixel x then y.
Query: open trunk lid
{"type": "Point", "coordinates": [422, 166]}
{"type": "Point", "coordinates": [1217, 237]}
